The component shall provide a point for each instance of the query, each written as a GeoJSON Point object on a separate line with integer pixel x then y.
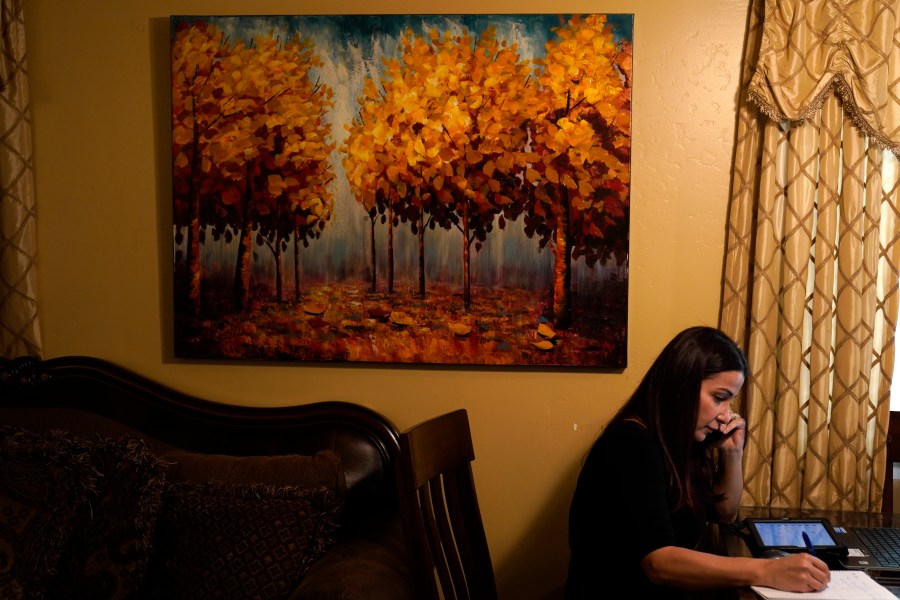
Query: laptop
{"type": "Point", "coordinates": [870, 547]}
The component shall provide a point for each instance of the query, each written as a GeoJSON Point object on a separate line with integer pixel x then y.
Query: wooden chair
{"type": "Point", "coordinates": [893, 455]}
{"type": "Point", "coordinates": [440, 514]}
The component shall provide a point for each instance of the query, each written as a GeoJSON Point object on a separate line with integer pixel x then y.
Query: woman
{"type": "Point", "coordinates": [667, 462]}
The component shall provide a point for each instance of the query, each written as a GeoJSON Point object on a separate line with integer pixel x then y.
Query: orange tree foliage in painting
{"type": "Point", "coordinates": [197, 106]}
{"type": "Point", "coordinates": [286, 166]}
{"type": "Point", "coordinates": [250, 147]}
{"type": "Point", "coordinates": [470, 126]}
{"type": "Point", "coordinates": [452, 108]}
{"type": "Point", "coordinates": [582, 147]}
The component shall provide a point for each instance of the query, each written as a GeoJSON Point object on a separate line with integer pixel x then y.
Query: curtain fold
{"type": "Point", "coordinates": [19, 327]}
{"type": "Point", "coordinates": [811, 49]}
{"type": "Point", "coordinates": [810, 280]}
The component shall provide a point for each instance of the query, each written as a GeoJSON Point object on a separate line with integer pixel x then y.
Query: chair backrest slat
{"type": "Point", "coordinates": [440, 513]}
{"type": "Point", "coordinates": [448, 548]}
{"type": "Point", "coordinates": [433, 531]}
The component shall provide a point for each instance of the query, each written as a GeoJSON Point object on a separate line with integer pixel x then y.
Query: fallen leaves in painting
{"type": "Point", "coordinates": [340, 322]}
{"type": "Point", "coordinates": [460, 329]}
{"type": "Point", "coordinates": [543, 345]}
{"type": "Point", "coordinates": [545, 332]}
{"type": "Point", "coordinates": [401, 318]}
{"type": "Point", "coordinates": [313, 309]}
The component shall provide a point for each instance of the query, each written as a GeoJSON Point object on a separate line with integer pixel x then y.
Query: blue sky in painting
{"type": "Point", "coordinates": [352, 48]}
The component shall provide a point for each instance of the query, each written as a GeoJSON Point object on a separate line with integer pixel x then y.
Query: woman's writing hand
{"type": "Point", "coordinates": [796, 573]}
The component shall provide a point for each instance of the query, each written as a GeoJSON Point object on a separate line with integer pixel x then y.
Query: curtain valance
{"type": "Point", "coordinates": [812, 48]}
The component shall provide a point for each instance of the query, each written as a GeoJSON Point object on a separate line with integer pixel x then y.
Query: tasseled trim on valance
{"type": "Point", "coordinates": [837, 85]}
{"type": "Point", "coordinates": [812, 49]}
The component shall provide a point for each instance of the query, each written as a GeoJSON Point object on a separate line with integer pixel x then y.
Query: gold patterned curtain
{"type": "Point", "coordinates": [19, 328]}
{"type": "Point", "coordinates": [812, 257]}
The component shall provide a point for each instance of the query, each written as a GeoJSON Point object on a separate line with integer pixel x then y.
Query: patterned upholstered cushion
{"type": "Point", "coordinates": [240, 541]}
{"type": "Point", "coordinates": [44, 480]}
{"type": "Point", "coordinates": [108, 550]}
{"type": "Point", "coordinates": [323, 469]}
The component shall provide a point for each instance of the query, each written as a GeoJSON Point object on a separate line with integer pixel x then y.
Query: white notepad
{"type": "Point", "coordinates": [844, 585]}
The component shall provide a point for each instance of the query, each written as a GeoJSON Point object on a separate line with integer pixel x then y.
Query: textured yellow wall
{"type": "Point", "coordinates": [100, 99]}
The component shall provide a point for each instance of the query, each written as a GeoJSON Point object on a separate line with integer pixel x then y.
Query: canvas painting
{"type": "Point", "coordinates": [408, 189]}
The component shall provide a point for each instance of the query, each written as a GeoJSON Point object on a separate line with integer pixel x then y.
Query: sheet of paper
{"type": "Point", "coordinates": [844, 585]}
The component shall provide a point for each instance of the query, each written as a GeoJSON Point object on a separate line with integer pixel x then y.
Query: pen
{"type": "Point", "coordinates": [808, 543]}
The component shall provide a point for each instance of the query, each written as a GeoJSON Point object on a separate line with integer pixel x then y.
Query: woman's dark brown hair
{"type": "Point", "coordinates": [667, 402]}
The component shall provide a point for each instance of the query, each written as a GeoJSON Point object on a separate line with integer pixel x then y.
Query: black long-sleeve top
{"type": "Point", "coordinates": [620, 513]}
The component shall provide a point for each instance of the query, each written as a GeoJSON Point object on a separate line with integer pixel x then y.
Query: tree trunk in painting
{"type": "Point", "coordinates": [193, 245]}
{"type": "Point", "coordinates": [297, 246]}
{"type": "Point", "coordinates": [245, 250]}
{"type": "Point", "coordinates": [562, 276]}
{"type": "Point", "coordinates": [279, 265]}
{"type": "Point", "coordinates": [421, 241]}
{"type": "Point", "coordinates": [374, 265]}
{"type": "Point", "coordinates": [467, 290]}
{"type": "Point", "coordinates": [390, 249]}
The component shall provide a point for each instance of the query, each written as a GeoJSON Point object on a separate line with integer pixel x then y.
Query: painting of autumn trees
{"type": "Point", "coordinates": [402, 188]}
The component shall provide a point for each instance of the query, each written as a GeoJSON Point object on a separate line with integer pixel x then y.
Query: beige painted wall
{"type": "Point", "coordinates": [100, 99]}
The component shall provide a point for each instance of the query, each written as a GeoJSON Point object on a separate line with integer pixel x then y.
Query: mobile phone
{"type": "Point", "coordinates": [714, 437]}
